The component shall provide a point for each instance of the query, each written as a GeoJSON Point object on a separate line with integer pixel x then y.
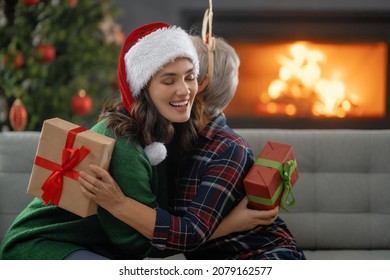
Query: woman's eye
{"type": "Point", "coordinates": [191, 77]}
{"type": "Point", "coordinates": [168, 82]}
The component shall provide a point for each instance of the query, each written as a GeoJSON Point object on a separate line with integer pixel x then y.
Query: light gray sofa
{"type": "Point", "coordinates": [343, 192]}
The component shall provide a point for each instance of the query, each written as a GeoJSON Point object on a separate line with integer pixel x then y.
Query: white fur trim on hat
{"type": "Point", "coordinates": [156, 152]}
{"type": "Point", "coordinates": [154, 51]}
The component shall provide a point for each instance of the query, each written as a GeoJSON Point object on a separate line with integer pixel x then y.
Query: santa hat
{"type": "Point", "coordinates": [146, 50]}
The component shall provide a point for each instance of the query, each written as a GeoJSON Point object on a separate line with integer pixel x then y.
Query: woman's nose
{"type": "Point", "coordinates": [183, 88]}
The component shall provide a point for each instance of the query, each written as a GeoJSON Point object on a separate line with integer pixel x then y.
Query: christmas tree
{"type": "Point", "coordinates": [58, 58]}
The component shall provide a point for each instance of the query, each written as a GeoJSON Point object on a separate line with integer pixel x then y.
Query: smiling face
{"type": "Point", "coordinates": [173, 90]}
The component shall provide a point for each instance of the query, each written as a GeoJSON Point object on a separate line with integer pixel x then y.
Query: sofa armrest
{"type": "Point", "coordinates": [17, 153]}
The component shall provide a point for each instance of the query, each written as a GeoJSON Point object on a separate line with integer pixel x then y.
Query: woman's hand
{"type": "Point", "coordinates": [98, 185]}
{"type": "Point", "coordinates": [241, 218]}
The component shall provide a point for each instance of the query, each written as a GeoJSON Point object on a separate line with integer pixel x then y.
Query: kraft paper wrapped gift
{"type": "Point", "coordinates": [270, 180]}
{"type": "Point", "coordinates": [63, 150]}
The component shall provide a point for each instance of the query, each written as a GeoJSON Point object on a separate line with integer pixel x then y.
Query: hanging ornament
{"type": "Point", "coordinates": [45, 52]}
{"type": "Point", "coordinates": [208, 39]}
{"type": "Point", "coordinates": [18, 61]}
{"type": "Point", "coordinates": [81, 103]}
{"type": "Point", "coordinates": [30, 2]}
{"type": "Point", "coordinates": [16, 58]}
{"type": "Point", "coordinates": [18, 115]}
{"type": "Point", "coordinates": [72, 3]}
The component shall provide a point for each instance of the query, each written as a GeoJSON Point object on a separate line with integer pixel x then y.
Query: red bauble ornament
{"type": "Point", "coordinates": [18, 59]}
{"type": "Point", "coordinates": [30, 2]}
{"type": "Point", "coordinates": [72, 3]}
{"type": "Point", "coordinates": [18, 115]}
{"type": "Point", "coordinates": [81, 103]}
{"type": "Point", "coordinates": [45, 52]}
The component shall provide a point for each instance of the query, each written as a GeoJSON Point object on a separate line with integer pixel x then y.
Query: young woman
{"type": "Point", "coordinates": [157, 68]}
{"type": "Point", "coordinates": [209, 184]}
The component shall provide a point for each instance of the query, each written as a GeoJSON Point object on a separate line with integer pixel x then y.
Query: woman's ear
{"type": "Point", "coordinates": [203, 85]}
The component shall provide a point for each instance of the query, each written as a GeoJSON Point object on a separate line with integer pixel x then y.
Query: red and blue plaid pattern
{"type": "Point", "coordinates": [209, 185]}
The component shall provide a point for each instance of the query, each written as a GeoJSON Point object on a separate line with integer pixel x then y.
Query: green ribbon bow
{"type": "Point", "coordinates": [286, 170]}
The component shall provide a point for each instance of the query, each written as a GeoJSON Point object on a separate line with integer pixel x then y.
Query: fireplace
{"type": "Point", "coordinates": [308, 69]}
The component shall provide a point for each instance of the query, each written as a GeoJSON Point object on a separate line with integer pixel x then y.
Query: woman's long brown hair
{"type": "Point", "coordinates": [145, 125]}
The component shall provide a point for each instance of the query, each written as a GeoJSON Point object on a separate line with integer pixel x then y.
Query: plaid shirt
{"type": "Point", "coordinates": [209, 185]}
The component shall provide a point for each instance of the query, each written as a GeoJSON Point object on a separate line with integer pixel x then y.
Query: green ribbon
{"type": "Point", "coordinates": [286, 170]}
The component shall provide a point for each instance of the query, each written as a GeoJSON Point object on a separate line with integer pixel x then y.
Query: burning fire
{"type": "Point", "coordinates": [301, 89]}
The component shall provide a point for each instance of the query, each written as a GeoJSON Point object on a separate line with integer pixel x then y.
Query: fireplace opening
{"type": "Point", "coordinates": [305, 79]}
{"type": "Point", "coordinates": [307, 69]}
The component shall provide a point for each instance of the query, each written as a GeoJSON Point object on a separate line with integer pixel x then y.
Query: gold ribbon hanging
{"type": "Point", "coordinates": [208, 39]}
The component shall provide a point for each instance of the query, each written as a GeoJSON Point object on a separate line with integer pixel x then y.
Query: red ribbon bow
{"type": "Point", "coordinates": [71, 157]}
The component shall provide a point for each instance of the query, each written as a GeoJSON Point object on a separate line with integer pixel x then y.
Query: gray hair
{"type": "Point", "coordinates": [223, 86]}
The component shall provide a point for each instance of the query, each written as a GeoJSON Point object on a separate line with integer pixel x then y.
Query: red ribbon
{"type": "Point", "coordinates": [71, 157]}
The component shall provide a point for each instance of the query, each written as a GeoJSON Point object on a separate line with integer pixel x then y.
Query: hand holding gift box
{"type": "Point", "coordinates": [65, 148]}
{"type": "Point", "coordinates": [270, 180]}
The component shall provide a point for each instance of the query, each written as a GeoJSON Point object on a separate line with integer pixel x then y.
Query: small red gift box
{"type": "Point", "coordinates": [270, 180]}
{"type": "Point", "coordinates": [63, 150]}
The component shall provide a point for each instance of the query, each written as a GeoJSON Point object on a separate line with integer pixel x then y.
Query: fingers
{"type": "Point", "coordinates": [100, 173]}
{"type": "Point", "coordinates": [271, 215]}
{"type": "Point", "coordinates": [263, 214]}
{"type": "Point", "coordinates": [90, 185]}
{"type": "Point", "coordinates": [89, 181]}
{"type": "Point", "coordinates": [274, 211]}
{"type": "Point", "coordinates": [96, 176]}
{"type": "Point", "coordinates": [261, 217]}
{"type": "Point", "coordinates": [87, 189]}
{"type": "Point", "coordinates": [104, 178]}
{"type": "Point", "coordinates": [98, 185]}
{"type": "Point", "coordinates": [265, 217]}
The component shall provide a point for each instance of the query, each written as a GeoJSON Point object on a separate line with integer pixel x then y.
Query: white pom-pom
{"type": "Point", "coordinates": [156, 152]}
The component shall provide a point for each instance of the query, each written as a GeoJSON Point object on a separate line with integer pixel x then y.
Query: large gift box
{"type": "Point", "coordinates": [270, 180]}
{"type": "Point", "coordinates": [63, 150]}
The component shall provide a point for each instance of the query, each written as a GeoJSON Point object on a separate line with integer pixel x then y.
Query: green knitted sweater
{"type": "Point", "coordinates": [48, 232]}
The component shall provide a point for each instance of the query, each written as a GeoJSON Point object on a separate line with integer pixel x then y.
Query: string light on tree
{"type": "Point", "coordinates": [81, 103]}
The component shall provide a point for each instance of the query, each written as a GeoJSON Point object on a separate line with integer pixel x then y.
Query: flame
{"type": "Point", "coordinates": [300, 78]}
